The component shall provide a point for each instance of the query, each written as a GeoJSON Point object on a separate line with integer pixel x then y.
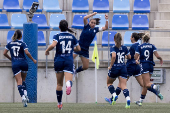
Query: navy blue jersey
{"type": "Point", "coordinates": [146, 52]}
{"type": "Point", "coordinates": [65, 45]}
{"type": "Point", "coordinates": [16, 49]}
{"type": "Point", "coordinates": [120, 55]}
{"type": "Point", "coordinates": [87, 36]}
{"type": "Point", "coordinates": [132, 53]}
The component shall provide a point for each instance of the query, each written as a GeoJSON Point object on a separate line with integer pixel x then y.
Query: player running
{"type": "Point", "coordinates": [63, 61]}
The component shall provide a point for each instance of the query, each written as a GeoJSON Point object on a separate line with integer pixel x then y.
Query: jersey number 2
{"type": "Point", "coordinates": [67, 47]}
{"type": "Point", "coordinates": [16, 50]}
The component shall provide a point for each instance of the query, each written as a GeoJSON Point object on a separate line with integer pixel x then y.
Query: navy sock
{"type": "Point", "coordinates": [142, 96]}
{"type": "Point", "coordinates": [118, 90]}
{"type": "Point", "coordinates": [126, 92]}
{"type": "Point", "coordinates": [71, 83]}
{"type": "Point", "coordinates": [79, 69]}
{"type": "Point", "coordinates": [153, 91]}
{"type": "Point", "coordinates": [20, 89]}
{"type": "Point", "coordinates": [111, 89]}
{"type": "Point", "coordinates": [24, 85]}
{"type": "Point", "coordinates": [59, 95]}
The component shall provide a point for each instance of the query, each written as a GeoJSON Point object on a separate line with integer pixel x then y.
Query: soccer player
{"type": "Point", "coordinates": [118, 69]}
{"type": "Point", "coordinates": [146, 51]}
{"type": "Point", "coordinates": [63, 61]}
{"type": "Point", "coordinates": [17, 49]}
{"type": "Point", "coordinates": [86, 37]}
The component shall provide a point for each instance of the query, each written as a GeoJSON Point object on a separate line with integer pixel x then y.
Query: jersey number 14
{"type": "Point", "coordinates": [66, 47]}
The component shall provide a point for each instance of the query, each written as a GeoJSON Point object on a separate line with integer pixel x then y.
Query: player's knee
{"type": "Point", "coordinates": [147, 85]}
{"type": "Point", "coordinates": [59, 84]}
{"type": "Point", "coordinates": [85, 67]}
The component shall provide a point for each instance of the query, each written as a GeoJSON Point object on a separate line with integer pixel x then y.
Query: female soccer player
{"type": "Point", "coordinates": [146, 51]}
{"type": "Point", "coordinates": [19, 63]}
{"type": "Point", "coordinates": [86, 37]}
{"type": "Point", "coordinates": [118, 69]}
{"type": "Point", "coordinates": [63, 61]}
{"type": "Point", "coordinates": [134, 69]}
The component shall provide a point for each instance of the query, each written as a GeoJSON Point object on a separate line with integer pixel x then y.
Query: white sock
{"type": "Point", "coordinates": [127, 98]}
{"type": "Point", "coordinates": [23, 97]}
{"type": "Point", "coordinates": [141, 100]}
{"type": "Point", "coordinates": [68, 84]}
{"type": "Point", "coordinates": [154, 87]}
{"type": "Point", "coordinates": [114, 94]}
{"type": "Point", "coordinates": [25, 92]}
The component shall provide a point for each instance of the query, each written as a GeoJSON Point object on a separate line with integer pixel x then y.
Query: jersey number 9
{"type": "Point", "coordinates": [147, 54]}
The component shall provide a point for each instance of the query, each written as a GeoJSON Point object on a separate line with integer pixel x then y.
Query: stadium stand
{"type": "Point", "coordinates": [78, 21]}
{"type": "Point", "coordinates": [120, 22]}
{"type": "Point", "coordinates": [9, 36]}
{"type": "Point", "coordinates": [111, 38]}
{"type": "Point", "coordinates": [51, 6]}
{"type": "Point", "coordinates": [4, 22]}
{"type": "Point", "coordinates": [79, 6]}
{"type": "Point", "coordinates": [40, 19]}
{"type": "Point", "coordinates": [17, 21]}
{"type": "Point", "coordinates": [55, 20]}
{"type": "Point", "coordinates": [121, 6]}
{"type": "Point", "coordinates": [52, 33]}
{"type": "Point", "coordinates": [11, 6]}
{"type": "Point", "coordinates": [140, 22]}
{"type": "Point", "coordinates": [141, 6]}
{"type": "Point", "coordinates": [27, 5]}
{"type": "Point", "coordinates": [41, 39]}
{"type": "Point", "coordinates": [101, 6]}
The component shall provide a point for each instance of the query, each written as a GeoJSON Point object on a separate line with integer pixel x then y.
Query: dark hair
{"type": "Point", "coordinates": [137, 36]}
{"type": "Point", "coordinates": [118, 39]}
{"type": "Point", "coordinates": [97, 20]}
{"type": "Point", "coordinates": [146, 37]}
{"type": "Point", "coordinates": [17, 35]}
{"type": "Point", "coordinates": [64, 26]}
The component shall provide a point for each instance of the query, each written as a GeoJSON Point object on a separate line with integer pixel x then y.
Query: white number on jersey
{"type": "Point", "coordinates": [67, 47]}
{"type": "Point", "coordinates": [147, 54]}
{"type": "Point", "coordinates": [121, 58]}
{"type": "Point", "coordinates": [16, 50]}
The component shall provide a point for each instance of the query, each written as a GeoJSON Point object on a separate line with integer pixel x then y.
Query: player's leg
{"type": "Point", "coordinates": [59, 91]}
{"type": "Point", "coordinates": [23, 75]}
{"type": "Point", "coordinates": [123, 86]}
{"type": "Point", "coordinates": [20, 88]}
{"type": "Point", "coordinates": [68, 80]}
{"type": "Point", "coordinates": [85, 66]}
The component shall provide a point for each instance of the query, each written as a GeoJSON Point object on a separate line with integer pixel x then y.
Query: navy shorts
{"type": "Point", "coordinates": [83, 53]}
{"type": "Point", "coordinates": [63, 66]}
{"type": "Point", "coordinates": [133, 69]}
{"type": "Point", "coordinates": [117, 71]}
{"type": "Point", "coordinates": [146, 68]}
{"type": "Point", "coordinates": [19, 66]}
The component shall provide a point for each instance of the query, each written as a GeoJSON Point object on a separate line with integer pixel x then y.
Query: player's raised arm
{"type": "Point", "coordinates": [106, 24]}
{"type": "Point", "coordinates": [88, 16]}
{"type": "Point", "coordinates": [6, 55]}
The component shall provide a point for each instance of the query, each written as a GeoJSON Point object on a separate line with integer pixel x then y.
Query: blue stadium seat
{"type": "Point", "coordinates": [111, 38]}
{"type": "Point", "coordinates": [79, 6]}
{"type": "Point", "coordinates": [0, 10]}
{"type": "Point", "coordinates": [17, 20]}
{"type": "Point", "coordinates": [127, 36]}
{"type": "Point", "coordinates": [93, 42]}
{"type": "Point", "coordinates": [101, 6]}
{"type": "Point", "coordinates": [120, 22]}
{"type": "Point", "coordinates": [141, 6]}
{"type": "Point", "coordinates": [55, 20]}
{"type": "Point", "coordinates": [41, 39]}
{"type": "Point", "coordinates": [121, 6]}
{"type": "Point", "coordinates": [78, 21]}
{"type": "Point", "coordinates": [51, 6]}
{"type": "Point", "coordinates": [4, 22]}
{"type": "Point", "coordinates": [28, 3]}
{"type": "Point", "coordinates": [40, 19]}
{"type": "Point", "coordinates": [140, 22]}
{"type": "Point", "coordinates": [11, 6]}
{"type": "Point", "coordinates": [102, 20]}
{"type": "Point", "coordinates": [52, 33]}
{"type": "Point", "coordinates": [9, 36]}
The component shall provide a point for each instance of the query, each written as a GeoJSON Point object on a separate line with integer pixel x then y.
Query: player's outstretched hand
{"type": "Point", "coordinates": [95, 13]}
{"type": "Point", "coordinates": [106, 16]}
{"type": "Point", "coordinates": [47, 53]}
{"type": "Point", "coordinates": [34, 61]}
{"type": "Point", "coordinates": [109, 67]}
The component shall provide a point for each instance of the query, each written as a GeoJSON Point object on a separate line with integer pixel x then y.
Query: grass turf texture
{"type": "Point", "coordinates": [84, 108]}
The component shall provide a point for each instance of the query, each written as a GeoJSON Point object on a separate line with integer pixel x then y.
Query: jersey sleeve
{"type": "Point", "coordinates": [126, 51]}
{"type": "Point", "coordinates": [137, 50]}
{"type": "Point", "coordinates": [75, 42]}
{"type": "Point", "coordinates": [7, 46]}
{"type": "Point", "coordinates": [97, 29]}
{"type": "Point", "coordinates": [24, 46]}
{"type": "Point", "coordinates": [56, 38]}
{"type": "Point", "coordinates": [112, 49]}
{"type": "Point", "coordinates": [86, 26]}
{"type": "Point", "coordinates": [154, 48]}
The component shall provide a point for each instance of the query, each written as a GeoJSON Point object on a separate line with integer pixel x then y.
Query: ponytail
{"type": "Point", "coordinates": [17, 35]}
{"type": "Point", "coordinates": [118, 39]}
{"type": "Point", "coordinates": [137, 36]}
{"type": "Point", "coordinates": [146, 37]}
{"type": "Point", "coordinates": [64, 26]}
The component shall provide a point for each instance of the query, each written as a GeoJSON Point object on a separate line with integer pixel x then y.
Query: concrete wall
{"type": "Point", "coordinates": [83, 91]}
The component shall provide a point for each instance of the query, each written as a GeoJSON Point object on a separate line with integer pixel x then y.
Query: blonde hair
{"type": "Point", "coordinates": [146, 37]}
{"type": "Point", "coordinates": [118, 39]}
{"type": "Point", "coordinates": [17, 35]}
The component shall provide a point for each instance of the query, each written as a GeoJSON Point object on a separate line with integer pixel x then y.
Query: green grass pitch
{"type": "Point", "coordinates": [84, 108]}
